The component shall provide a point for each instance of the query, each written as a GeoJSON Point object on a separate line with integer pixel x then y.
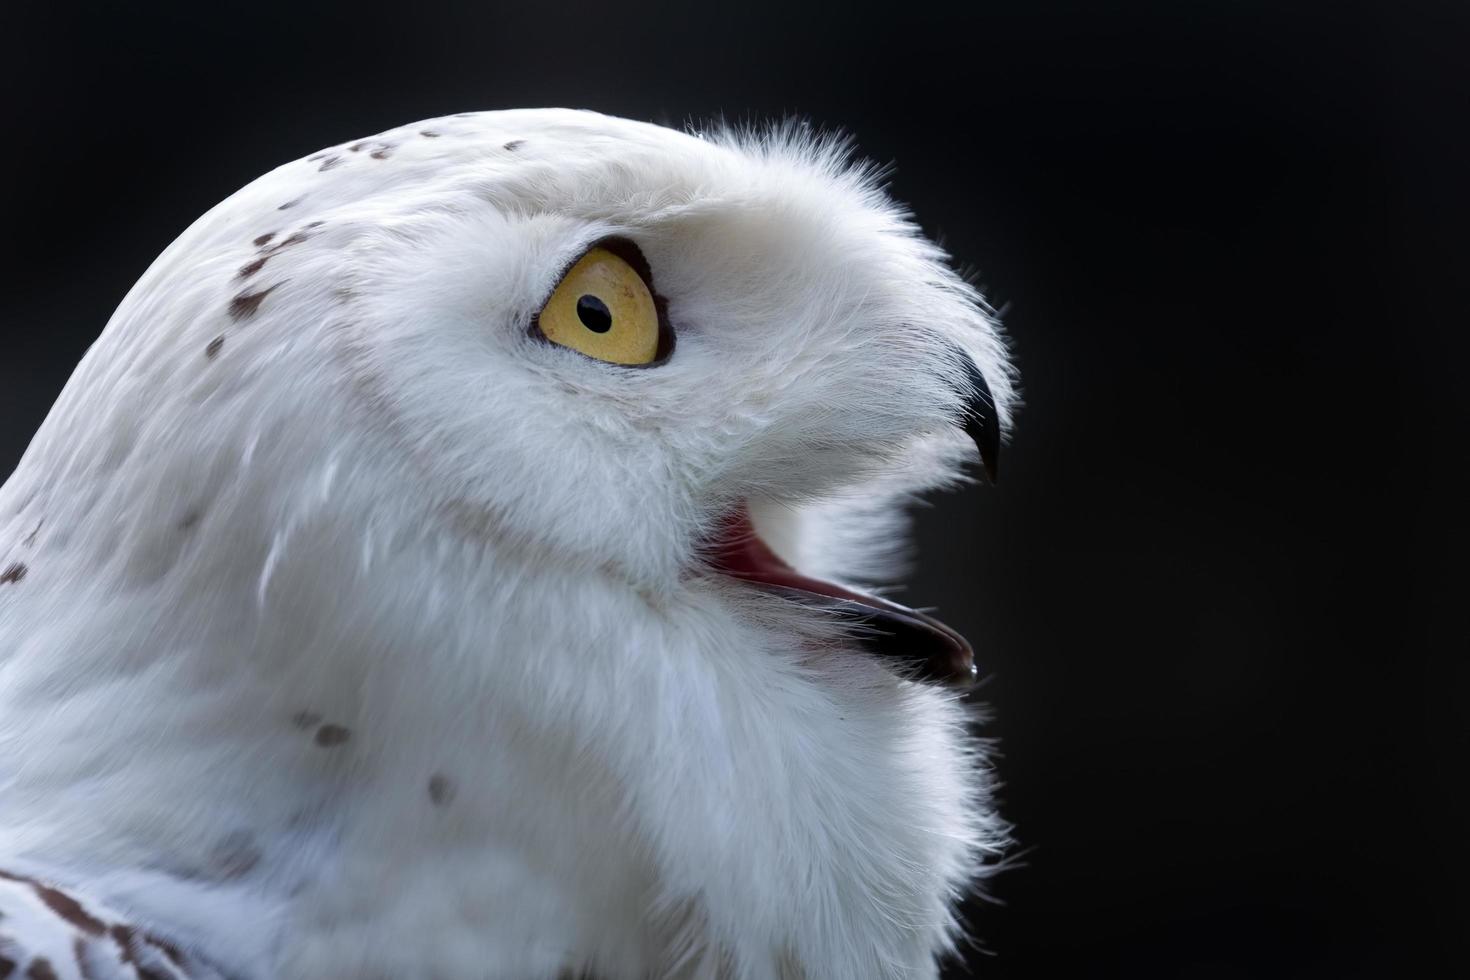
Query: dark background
{"type": "Point", "coordinates": [1212, 590]}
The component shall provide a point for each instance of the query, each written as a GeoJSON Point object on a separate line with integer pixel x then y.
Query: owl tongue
{"type": "Point", "coordinates": [931, 650]}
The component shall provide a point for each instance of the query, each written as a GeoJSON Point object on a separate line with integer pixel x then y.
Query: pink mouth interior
{"type": "Point", "coordinates": [925, 647]}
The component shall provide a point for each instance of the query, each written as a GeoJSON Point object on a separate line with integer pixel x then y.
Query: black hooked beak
{"type": "Point", "coordinates": [982, 422]}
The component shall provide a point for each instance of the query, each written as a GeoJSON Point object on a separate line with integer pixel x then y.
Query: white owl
{"type": "Point", "coordinates": [431, 572]}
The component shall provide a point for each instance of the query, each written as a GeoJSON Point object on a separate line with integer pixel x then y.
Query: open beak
{"type": "Point", "coordinates": [925, 648]}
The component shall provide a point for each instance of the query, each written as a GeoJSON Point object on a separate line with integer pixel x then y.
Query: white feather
{"type": "Point", "coordinates": [381, 506]}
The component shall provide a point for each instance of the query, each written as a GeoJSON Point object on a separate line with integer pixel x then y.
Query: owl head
{"type": "Point", "coordinates": [639, 348]}
{"type": "Point", "coordinates": [508, 441]}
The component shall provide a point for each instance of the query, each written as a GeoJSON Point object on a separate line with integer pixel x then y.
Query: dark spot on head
{"type": "Point", "coordinates": [429, 133]}
{"type": "Point", "coordinates": [69, 909]}
{"type": "Point", "coordinates": [247, 303]}
{"type": "Point", "coordinates": [318, 155]}
{"type": "Point", "coordinates": [329, 163]}
{"type": "Point", "coordinates": [514, 145]}
{"type": "Point", "coordinates": [213, 347]}
{"type": "Point", "coordinates": [79, 953]}
{"type": "Point", "coordinates": [357, 147]}
{"type": "Point", "coordinates": [295, 238]}
{"type": "Point", "coordinates": [175, 955]}
{"type": "Point", "coordinates": [289, 204]}
{"type": "Point", "coordinates": [264, 239]}
{"type": "Point", "coordinates": [329, 736]}
{"type": "Point", "coordinates": [315, 224]}
{"type": "Point", "coordinates": [189, 520]}
{"type": "Point", "coordinates": [13, 573]}
{"type": "Point", "coordinates": [40, 969]}
{"type": "Point", "coordinates": [125, 938]}
{"type": "Point", "coordinates": [305, 719]}
{"type": "Point", "coordinates": [251, 268]}
{"type": "Point", "coordinates": [441, 790]}
{"type": "Point", "coordinates": [380, 154]}
{"type": "Point", "coordinates": [30, 539]}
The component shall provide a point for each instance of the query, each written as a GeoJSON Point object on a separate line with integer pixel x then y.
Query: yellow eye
{"type": "Point", "coordinates": [603, 308]}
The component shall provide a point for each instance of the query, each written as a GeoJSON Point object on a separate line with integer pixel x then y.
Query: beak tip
{"type": "Point", "coordinates": [982, 421]}
{"type": "Point", "coordinates": [982, 426]}
{"type": "Point", "coordinates": [964, 678]}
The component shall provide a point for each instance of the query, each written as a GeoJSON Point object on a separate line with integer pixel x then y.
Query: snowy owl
{"type": "Point", "coordinates": [455, 559]}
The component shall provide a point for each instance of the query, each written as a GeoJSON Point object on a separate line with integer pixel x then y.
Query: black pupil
{"type": "Point", "coordinates": [594, 314]}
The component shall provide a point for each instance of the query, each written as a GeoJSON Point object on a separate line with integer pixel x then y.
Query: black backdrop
{"type": "Point", "coordinates": [1211, 590]}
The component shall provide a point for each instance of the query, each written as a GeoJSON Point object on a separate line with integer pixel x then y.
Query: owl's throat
{"type": "Point", "coordinates": [926, 649]}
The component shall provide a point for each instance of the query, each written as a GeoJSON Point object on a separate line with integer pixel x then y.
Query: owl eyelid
{"type": "Point", "coordinates": [630, 253]}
